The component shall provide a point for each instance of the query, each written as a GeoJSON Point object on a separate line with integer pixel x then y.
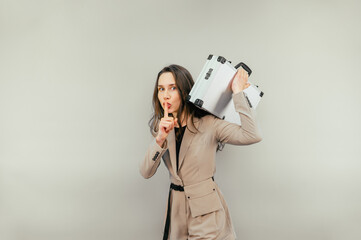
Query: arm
{"type": "Point", "coordinates": [152, 159]}
{"type": "Point", "coordinates": [231, 133]}
{"type": "Point", "coordinates": [158, 146]}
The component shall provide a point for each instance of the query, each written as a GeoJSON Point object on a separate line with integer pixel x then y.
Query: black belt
{"type": "Point", "coordinates": [167, 221]}
{"type": "Point", "coordinates": [176, 187]}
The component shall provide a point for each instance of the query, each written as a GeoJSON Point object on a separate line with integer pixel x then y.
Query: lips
{"type": "Point", "coordinates": [169, 105]}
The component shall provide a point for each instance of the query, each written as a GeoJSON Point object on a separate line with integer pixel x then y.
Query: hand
{"type": "Point", "coordinates": [239, 81]}
{"type": "Point", "coordinates": [166, 124]}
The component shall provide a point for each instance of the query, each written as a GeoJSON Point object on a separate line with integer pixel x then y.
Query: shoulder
{"type": "Point", "coordinates": [209, 118]}
{"type": "Point", "coordinates": [206, 122]}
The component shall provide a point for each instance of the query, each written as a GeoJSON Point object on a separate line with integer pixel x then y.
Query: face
{"type": "Point", "coordinates": [168, 92]}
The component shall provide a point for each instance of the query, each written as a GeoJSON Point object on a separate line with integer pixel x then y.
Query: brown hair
{"type": "Point", "coordinates": [184, 83]}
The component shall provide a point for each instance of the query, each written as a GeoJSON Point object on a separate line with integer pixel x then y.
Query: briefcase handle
{"type": "Point", "coordinates": [245, 67]}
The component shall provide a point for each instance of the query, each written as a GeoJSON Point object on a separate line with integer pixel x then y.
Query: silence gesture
{"type": "Point", "coordinates": [166, 124]}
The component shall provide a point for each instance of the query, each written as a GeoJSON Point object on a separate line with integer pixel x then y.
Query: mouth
{"type": "Point", "coordinates": [169, 105]}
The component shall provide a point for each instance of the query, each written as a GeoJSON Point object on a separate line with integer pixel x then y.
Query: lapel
{"type": "Point", "coordinates": [187, 139]}
{"type": "Point", "coordinates": [186, 142]}
{"type": "Point", "coordinates": [172, 153]}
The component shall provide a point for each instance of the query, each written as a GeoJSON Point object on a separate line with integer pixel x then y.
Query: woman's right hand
{"type": "Point", "coordinates": [166, 124]}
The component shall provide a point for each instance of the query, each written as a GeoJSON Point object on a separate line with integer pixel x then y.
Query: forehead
{"type": "Point", "coordinates": [166, 78]}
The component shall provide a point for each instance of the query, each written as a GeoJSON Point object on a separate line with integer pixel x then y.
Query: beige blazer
{"type": "Point", "coordinates": [201, 201]}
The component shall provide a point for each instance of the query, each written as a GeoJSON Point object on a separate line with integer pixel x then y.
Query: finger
{"type": "Point", "coordinates": [169, 119]}
{"type": "Point", "coordinates": [246, 76]}
{"type": "Point", "coordinates": [244, 73]}
{"type": "Point", "coordinates": [239, 72]}
{"type": "Point", "coordinates": [165, 109]}
{"type": "Point", "coordinates": [170, 127]}
{"type": "Point", "coordinates": [166, 125]}
{"type": "Point", "coordinates": [233, 79]}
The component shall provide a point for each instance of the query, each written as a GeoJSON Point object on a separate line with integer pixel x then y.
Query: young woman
{"type": "Point", "coordinates": [187, 139]}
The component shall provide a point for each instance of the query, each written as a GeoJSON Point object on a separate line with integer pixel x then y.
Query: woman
{"type": "Point", "coordinates": [187, 139]}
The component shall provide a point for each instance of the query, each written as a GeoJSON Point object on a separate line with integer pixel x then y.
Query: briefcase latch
{"type": "Point", "coordinates": [208, 74]}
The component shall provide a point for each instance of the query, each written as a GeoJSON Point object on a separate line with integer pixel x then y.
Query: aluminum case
{"type": "Point", "coordinates": [212, 91]}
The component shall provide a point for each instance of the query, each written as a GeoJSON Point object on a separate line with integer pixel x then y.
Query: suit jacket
{"type": "Point", "coordinates": [197, 156]}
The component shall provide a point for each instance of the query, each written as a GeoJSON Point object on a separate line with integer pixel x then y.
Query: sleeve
{"type": "Point", "coordinates": [247, 133]}
{"type": "Point", "coordinates": [152, 159]}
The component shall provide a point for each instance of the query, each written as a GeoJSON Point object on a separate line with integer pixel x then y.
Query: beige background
{"type": "Point", "coordinates": [76, 80]}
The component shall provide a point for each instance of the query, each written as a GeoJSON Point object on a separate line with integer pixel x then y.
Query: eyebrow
{"type": "Point", "coordinates": [166, 85]}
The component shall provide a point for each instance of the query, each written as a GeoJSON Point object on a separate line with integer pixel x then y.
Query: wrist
{"type": "Point", "coordinates": [159, 141]}
{"type": "Point", "coordinates": [238, 90]}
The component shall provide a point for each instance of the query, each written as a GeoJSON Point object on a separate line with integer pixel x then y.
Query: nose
{"type": "Point", "coordinates": [166, 95]}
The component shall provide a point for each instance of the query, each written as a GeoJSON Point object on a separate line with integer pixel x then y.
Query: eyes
{"type": "Point", "coordinates": [161, 89]}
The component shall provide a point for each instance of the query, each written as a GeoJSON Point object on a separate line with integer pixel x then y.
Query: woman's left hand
{"type": "Point", "coordinates": [240, 81]}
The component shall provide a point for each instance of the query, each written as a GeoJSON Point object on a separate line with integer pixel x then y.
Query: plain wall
{"type": "Point", "coordinates": [76, 82]}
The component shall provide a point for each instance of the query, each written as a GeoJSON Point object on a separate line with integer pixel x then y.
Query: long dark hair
{"type": "Point", "coordinates": [184, 83]}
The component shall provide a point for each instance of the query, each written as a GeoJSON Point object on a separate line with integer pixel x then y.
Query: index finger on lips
{"type": "Point", "coordinates": [165, 109]}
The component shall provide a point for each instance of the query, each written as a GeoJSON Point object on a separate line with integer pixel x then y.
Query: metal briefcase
{"type": "Point", "coordinates": [212, 91]}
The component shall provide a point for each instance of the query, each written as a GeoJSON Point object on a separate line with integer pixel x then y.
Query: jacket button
{"type": "Point", "coordinates": [189, 197]}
